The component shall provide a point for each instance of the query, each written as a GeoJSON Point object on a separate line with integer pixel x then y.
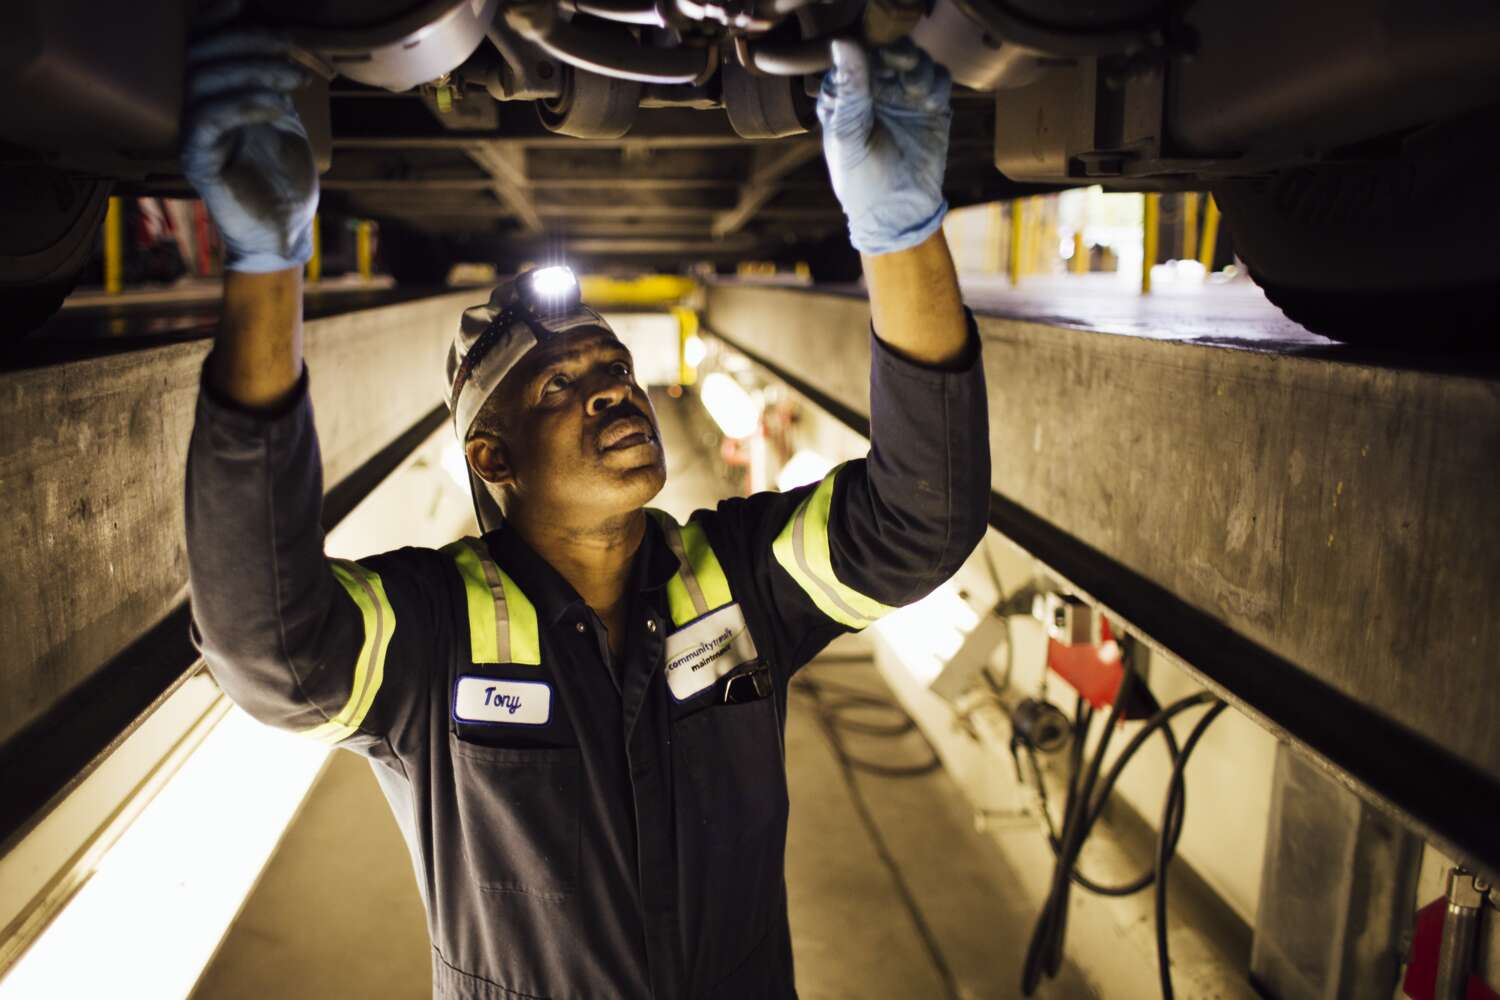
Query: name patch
{"type": "Point", "coordinates": [516, 703]}
{"type": "Point", "coordinates": [699, 653]}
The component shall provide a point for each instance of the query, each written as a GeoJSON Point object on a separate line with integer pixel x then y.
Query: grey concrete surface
{"type": "Point", "coordinates": [1332, 507]}
{"type": "Point", "coordinates": [91, 463]}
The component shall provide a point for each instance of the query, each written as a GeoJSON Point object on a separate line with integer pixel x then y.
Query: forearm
{"type": "Point", "coordinates": [257, 356]}
{"type": "Point", "coordinates": [915, 302]}
{"type": "Point", "coordinates": [265, 601]}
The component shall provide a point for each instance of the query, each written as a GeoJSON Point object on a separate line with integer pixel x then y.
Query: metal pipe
{"type": "Point", "coordinates": [1460, 930]}
{"type": "Point", "coordinates": [315, 262]}
{"type": "Point", "coordinates": [1017, 231]}
{"type": "Point", "coordinates": [114, 246]}
{"type": "Point", "coordinates": [1190, 225]}
{"type": "Point", "coordinates": [364, 250]}
{"type": "Point", "coordinates": [810, 55]}
{"type": "Point", "coordinates": [1151, 236]}
{"type": "Point", "coordinates": [599, 48]}
{"type": "Point", "coordinates": [1210, 242]}
{"type": "Point", "coordinates": [641, 12]}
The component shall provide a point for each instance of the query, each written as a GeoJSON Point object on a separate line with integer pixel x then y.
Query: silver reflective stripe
{"type": "Point", "coordinates": [502, 616]}
{"type": "Point", "coordinates": [689, 578]}
{"type": "Point", "coordinates": [799, 549]}
{"type": "Point", "coordinates": [375, 648]}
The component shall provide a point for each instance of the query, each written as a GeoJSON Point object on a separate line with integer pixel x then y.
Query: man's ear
{"type": "Point", "coordinates": [488, 457]}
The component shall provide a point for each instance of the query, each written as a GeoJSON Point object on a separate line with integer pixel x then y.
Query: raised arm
{"type": "Point", "coordinates": [299, 641]}
{"type": "Point", "coordinates": [883, 531]}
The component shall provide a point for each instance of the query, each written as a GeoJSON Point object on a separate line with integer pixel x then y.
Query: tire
{"type": "Point", "coordinates": [591, 106]}
{"type": "Point", "coordinates": [1391, 253]}
{"type": "Point", "coordinates": [1443, 318]}
{"type": "Point", "coordinates": [51, 221]}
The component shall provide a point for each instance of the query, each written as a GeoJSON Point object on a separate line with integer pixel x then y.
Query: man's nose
{"type": "Point", "coordinates": [606, 393]}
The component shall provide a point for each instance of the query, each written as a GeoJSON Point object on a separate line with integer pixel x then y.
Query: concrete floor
{"type": "Point", "coordinates": [336, 913]}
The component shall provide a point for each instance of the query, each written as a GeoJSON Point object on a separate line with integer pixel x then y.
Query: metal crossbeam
{"type": "Point", "coordinates": [506, 166]}
{"type": "Point", "coordinates": [772, 165]}
{"type": "Point", "coordinates": [1312, 536]}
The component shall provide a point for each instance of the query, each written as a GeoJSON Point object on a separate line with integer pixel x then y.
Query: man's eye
{"type": "Point", "coordinates": [556, 383]}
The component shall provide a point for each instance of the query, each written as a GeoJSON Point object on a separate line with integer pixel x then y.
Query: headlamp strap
{"type": "Point", "coordinates": [486, 341]}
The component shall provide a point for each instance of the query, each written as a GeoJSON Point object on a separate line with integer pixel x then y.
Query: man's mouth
{"type": "Point", "coordinates": [626, 432]}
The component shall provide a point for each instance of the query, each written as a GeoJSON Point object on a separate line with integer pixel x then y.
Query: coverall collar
{"type": "Point", "coordinates": [553, 596]}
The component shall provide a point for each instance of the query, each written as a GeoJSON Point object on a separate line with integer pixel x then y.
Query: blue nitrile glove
{"type": "Point", "coordinates": [245, 151]}
{"type": "Point", "coordinates": [885, 136]}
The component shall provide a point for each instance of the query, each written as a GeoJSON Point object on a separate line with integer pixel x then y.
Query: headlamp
{"type": "Point", "coordinates": [548, 289]}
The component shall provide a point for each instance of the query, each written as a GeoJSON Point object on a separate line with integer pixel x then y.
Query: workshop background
{"type": "Point", "coordinates": [931, 760]}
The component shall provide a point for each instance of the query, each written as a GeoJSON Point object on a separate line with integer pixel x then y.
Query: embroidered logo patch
{"type": "Point", "coordinates": [699, 653]}
{"type": "Point", "coordinates": [488, 700]}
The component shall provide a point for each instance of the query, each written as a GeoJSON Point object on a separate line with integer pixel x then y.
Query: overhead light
{"type": "Point", "coordinates": [694, 351]}
{"type": "Point", "coordinates": [926, 634]}
{"type": "Point", "coordinates": [553, 286]}
{"type": "Point", "coordinates": [733, 409]}
{"type": "Point", "coordinates": [805, 466]}
{"type": "Point", "coordinates": [455, 464]}
{"type": "Point", "coordinates": [164, 895]}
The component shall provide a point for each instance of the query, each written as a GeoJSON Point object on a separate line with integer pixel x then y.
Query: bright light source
{"type": "Point", "coordinates": [805, 466]}
{"type": "Point", "coordinates": [693, 351]}
{"type": "Point", "coordinates": [737, 415]}
{"type": "Point", "coordinates": [456, 465]}
{"type": "Point", "coordinates": [925, 635]}
{"type": "Point", "coordinates": [552, 283]}
{"type": "Point", "coordinates": [149, 919]}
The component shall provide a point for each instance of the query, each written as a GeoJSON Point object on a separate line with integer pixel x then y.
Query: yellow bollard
{"type": "Point", "coordinates": [315, 262]}
{"type": "Point", "coordinates": [1017, 229]}
{"type": "Point", "coordinates": [1035, 227]}
{"type": "Point", "coordinates": [1210, 241]}
{"type": "Point", "coordinates": [1151, 226]}
{"type": "Point", "coordinates": [114, 247]}
{"type": "Point", "coordinates": [363, 250]}
{"type": "Point", "coordinates": [1190, 225]}
{"type": "Point", "coordinates": [687, 329]}
{"type": "Point", "coordinates": [1080, 262]}
{"type": "Point", "coordinates": [996, 222]}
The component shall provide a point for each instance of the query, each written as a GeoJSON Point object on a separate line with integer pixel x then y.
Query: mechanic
{"type": "Point", "coordinates": [577, 719]}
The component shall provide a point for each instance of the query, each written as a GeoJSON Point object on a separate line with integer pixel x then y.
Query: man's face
{"type": "Point", "coordinates": [580, 435]}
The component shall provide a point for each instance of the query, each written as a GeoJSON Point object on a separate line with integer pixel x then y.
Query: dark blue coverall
{"type": "Point", "coordinates": [631, 844]}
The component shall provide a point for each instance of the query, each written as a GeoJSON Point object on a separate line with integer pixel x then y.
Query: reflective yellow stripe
{"type": "Point", "coordinates": [705, 566]}
{"type": "Point", "coordinates": [802, 550]}
{"type": "Point", "coordinates": [525, 638]}
{"type": "Point", "coordinates": [502, 621]}
{"type": "Point", "coordinates": [369, 670]}
{"type": "Point", "coordinates": [484, 643]}
{"type": "Point", "coordinates": [699, 585]}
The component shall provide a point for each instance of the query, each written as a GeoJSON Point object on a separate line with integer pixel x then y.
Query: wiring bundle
{"type": "Point", "coordinates": [1086, 799]}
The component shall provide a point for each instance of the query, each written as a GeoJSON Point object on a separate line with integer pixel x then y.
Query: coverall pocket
{"type": "Point", "coordinates": [731, 828]}
{"type": "Point", "coordinates": [520, 814]}
{"type": "Point", "coordinates": [730, 754]}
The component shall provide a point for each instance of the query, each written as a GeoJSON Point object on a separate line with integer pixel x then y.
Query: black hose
{"type": "Point", "coordinates": [611, 50]}
{"type": "Point", "coordinates": [1044, 952]}
{"type": "Point", "coordinates": [1087, 796]}
{"type": "Point", "coordinates": [1174, 792]}
{"type": "Point", "coordinates": [790, 58]}
{"type": "Point", "coordinates": [642, 12]}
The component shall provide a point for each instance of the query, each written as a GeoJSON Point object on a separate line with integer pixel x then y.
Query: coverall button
{"type": "Point", "coordinates": [579, 627]}
{"type": "Point", "coordinates": [650, 624]}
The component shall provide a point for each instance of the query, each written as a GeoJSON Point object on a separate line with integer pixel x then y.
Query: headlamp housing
{"type": "Point", "coordinates": [548, 290]}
